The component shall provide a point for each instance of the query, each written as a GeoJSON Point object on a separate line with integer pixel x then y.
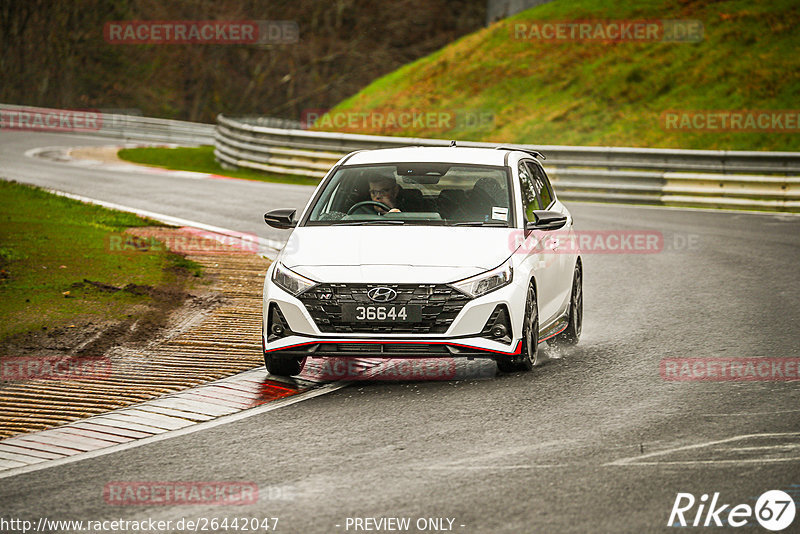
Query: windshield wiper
{"type": "Point", "coordinates": [357, 223]}
{"type": "Point", "coordinates": [481, 223]}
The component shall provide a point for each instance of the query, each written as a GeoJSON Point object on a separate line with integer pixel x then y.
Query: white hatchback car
{"type": "Point", "coordinates": [424, 252]}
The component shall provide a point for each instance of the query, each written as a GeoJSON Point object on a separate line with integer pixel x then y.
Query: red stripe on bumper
{"type": "Point", "coordinates": [517, 350]}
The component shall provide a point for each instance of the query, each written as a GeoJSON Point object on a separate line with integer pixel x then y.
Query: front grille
{"type": "Point", "coordinates": [440, 305]}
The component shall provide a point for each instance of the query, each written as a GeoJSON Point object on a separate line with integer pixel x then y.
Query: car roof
{"type": "Point", "coordinates": [420, 154]}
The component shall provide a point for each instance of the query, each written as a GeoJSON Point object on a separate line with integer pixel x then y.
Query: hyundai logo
{"type": "Point", "coordinates": [382, 294]}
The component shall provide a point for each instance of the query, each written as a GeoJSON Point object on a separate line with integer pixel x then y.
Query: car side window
{"type": "Point", "coordinates": [541, 185]}
{"type": "Point", "coordinates": [529, 200]}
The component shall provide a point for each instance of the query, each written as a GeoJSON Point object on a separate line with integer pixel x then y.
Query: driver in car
{"type": "Point", "coordinates": [384, 189]}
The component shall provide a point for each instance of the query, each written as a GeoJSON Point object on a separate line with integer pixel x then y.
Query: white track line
{"type": "Point", "coordinates": [710, 462]}
{"type": "Point", "coordinates": [264, 408]}
{"type": "Point", "coordinates": [268, 248]}
{"type": "Point", "coordinates": [636, 460]}
{"type": "Point", "coordinates": [567, 202]}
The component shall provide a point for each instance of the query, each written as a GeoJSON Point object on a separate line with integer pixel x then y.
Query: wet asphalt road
{"type": "Point", "coordinates": [595, 440]}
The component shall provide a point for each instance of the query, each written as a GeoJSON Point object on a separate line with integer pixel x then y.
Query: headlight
{"type": "Point", "coordinates": [290, 281]}
{"type": "Point", "coordinates": [485, 282]}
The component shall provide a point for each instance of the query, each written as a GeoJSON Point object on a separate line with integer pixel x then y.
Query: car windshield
{"type": "Point", "coordinates": [415, 193]}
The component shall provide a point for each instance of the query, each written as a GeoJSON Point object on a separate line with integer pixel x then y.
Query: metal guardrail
{"type": "Point", "coordinates": [705, 178]}
{"type": "Point", "coordinates": [702, 178]}
{"type": "Point", "coordinates": [128, 125]}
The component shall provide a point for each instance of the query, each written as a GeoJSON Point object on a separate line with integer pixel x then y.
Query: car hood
{"type": "Point", "coordinates": [386, 253]}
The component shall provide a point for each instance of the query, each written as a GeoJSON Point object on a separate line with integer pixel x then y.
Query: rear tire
{"type": "Point", "coordinates": [284, 365]}
{"type": "Point", "coordinates": [572, 333]}
{"type": "Point", "coordinates": [529, 355]}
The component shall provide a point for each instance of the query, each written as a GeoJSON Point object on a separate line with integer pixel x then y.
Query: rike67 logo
{"type": "Point", "coordinates": [774, 510]}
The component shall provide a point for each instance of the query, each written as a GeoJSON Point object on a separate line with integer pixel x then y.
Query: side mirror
{"type": "Point", "coordinates": [546, 220]}
{"type": "Point", "coordinates": [281, 219]}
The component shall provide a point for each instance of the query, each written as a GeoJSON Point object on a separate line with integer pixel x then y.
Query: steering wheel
{"type": "Point", "coordinates": [365, 203]}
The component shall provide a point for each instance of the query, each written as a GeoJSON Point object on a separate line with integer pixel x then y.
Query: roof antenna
{"type": "Point", "coordinates": [453, 143]}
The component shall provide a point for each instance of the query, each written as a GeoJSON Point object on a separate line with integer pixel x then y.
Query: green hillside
{"type": "Point", "coordinates": [501, 87]}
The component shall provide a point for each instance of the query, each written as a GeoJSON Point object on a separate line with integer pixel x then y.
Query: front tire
{"type": "Point", "coordinates": [572, 333]}
{"type": "Point", "coordinates": [283, 365]}
{"type": "Point", "coordinates": [529, 355]}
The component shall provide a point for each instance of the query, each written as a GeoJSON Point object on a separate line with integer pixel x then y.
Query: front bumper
{"type": "Point", "coordinates": [300, 346]}
{"type": "Point", "coordinates": [464, 336]}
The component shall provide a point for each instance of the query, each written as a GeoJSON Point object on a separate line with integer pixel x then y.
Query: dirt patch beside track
{"type": "Point", "coordinates": [181, 340]}
{"type": "Point", "coordinates": [105, 154]}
